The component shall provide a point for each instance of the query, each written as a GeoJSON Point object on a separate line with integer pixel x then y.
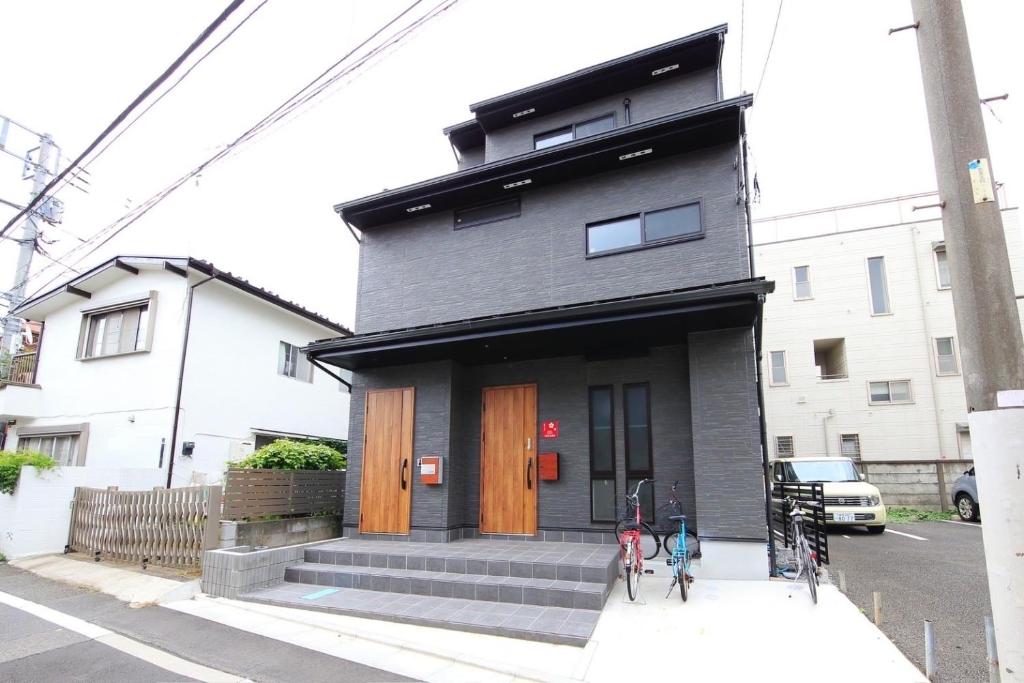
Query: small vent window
{"type": "Point", "coordinates": [487, 213]}
{"type": "Point", "coordinates": [784, 447]}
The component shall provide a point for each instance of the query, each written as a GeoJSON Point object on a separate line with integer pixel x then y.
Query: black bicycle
{"type": "Point", "coordinates": [665, 534]}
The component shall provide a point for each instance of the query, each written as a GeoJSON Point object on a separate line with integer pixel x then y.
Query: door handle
{"type": "Point", "coordinates": [405, 464]}
{"type": "Point", "coordinates": [529, 473]}
{"type": "Point", "coordinates": [529, 443]}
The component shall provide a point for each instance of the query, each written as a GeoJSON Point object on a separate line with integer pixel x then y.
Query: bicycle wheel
{"type": "Point", "coordinates": [812, 576]}
{"type": "Point", "coordinates": [632, 576]}
{"type": "Point", "coordinates": [692, 544]}
{"type": "Point", "coordinates": [650, 542]}
{"type": "Point", "coordinates": [684, 588]}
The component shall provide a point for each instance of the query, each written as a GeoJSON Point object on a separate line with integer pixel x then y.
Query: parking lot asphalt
{"type": "Point", "coordinates": [941, 578]}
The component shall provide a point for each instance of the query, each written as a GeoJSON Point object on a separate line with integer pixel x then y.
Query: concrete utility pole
{"type": "Point", "coordinates": [12, 324]}
{"type": "Point", "coordinates": [991, 347]}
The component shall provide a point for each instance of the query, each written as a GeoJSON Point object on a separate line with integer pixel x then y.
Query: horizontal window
{"type": "Point", "coordinates": [643, 229]}
{"type": "Point", "coordinates": [110, 332]}
{"type": "Point", "coordinates": [487, 213]}
{"type": "Point", "coordinates": [890, 392]}
{"type": "Point", "coordinates": [575, 131]}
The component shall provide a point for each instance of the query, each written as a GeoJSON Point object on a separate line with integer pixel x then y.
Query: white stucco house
{"type": "Point", "coordinates": [860, 342]}
{"type": "Point", "coordinates": [170, 363]}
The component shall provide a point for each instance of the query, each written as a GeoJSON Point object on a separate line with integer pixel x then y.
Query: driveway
{"type": "Point", "coordinates": [926, 570]}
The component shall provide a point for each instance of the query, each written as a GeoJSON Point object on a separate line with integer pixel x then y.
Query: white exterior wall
{"type": "Point", "coordinates": [836, 245]}
{"type": "Point", "coordinates": [231, 383]}
{"type": "Point", "coordinates": [109, 392]}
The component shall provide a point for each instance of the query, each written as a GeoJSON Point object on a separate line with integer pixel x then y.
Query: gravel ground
{"type": "Point", "coordinates": [941, 578]}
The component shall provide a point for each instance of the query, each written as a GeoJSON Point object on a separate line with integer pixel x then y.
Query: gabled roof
{"type": "Point", "coordinates": [84, 285]}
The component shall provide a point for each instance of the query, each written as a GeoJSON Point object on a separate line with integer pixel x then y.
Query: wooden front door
{"type": "Point", "coordinates": [508, 460]}
{"type": "Point", "coordinates": [385, 492]}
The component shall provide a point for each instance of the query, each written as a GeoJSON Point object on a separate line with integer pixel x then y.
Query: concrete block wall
{"type": "Point", "coordinates": [230, 572]}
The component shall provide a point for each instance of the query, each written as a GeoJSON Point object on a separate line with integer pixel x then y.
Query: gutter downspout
{"type": "Point", "coordinates": [181, 374]}
{"type": "Point", "coordinates": [758, 357]}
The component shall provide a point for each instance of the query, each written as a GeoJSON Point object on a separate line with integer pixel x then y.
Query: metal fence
{"type": "Point", "coordinates": [21, 369]}
{"type": "Point", "coordinates": [814, 516]}
{"type": "Point", "coordinates": [169, 527]}
{"type": "Point", "coordinates": [260, 493]}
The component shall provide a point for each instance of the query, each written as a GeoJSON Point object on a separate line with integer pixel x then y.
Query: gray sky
{"type": "Point", "coordinates": [839, 118]}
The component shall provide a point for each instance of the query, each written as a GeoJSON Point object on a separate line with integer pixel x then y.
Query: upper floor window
{"type": "Point", "coordinates": [112, 330]}
{"type": "Point", "coordinates": [649, 228]}
{"type": "Point", "coordinates": [890, 392]}
{"type": "Point", "coordinates": [941, 267]}
{"type": "Point", "coordinates": [945, 356]}
{"type": "Point", "coordinates": [293, 363]}
{"type": "Point", "coordinates": [574, 131]}
{"type": "Point", "coordinates": [802, 282]}
{"type": "Point", "coordinates": [879, 286]}
{"type": "Point", "coordinates": [784, 447]}
{"type": "Point", "coordinates": [778, 368]}
{"type": "Point", "coordinates": [486, 213]}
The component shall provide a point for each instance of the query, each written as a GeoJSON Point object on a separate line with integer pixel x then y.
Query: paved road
{"type": "Point", "coordinates": [941, 578]}
{"type": "Point", "coordinates": [36, 649]}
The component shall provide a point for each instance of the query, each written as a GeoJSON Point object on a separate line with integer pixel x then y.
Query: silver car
{"type": "Point", "coordinates": [965, 497]}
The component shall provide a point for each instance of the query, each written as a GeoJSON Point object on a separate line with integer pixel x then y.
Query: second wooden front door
{"type": "Point", "coordinates": [385, 492]}
{"type": "Point", "coordinates": [508, 460]}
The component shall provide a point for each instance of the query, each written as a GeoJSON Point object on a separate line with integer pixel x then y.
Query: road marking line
{"type": "Point", "coordinates": [970, 524]}
{"type": "Point", "coordinates": [152, 655]}
{"type": "Point", "coordinates": [893, 531]}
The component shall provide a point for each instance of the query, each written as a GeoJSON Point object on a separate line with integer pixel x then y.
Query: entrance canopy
{"type": "Point", "coordinates": [602, 329]}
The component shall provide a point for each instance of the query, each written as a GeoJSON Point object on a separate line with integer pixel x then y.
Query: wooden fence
{"type": "Point", "coordinates": [915, 483]}
{"type": "Point", "coordinates": [169, 527]}
{"type": "Point", "coordinates": [259, 493]}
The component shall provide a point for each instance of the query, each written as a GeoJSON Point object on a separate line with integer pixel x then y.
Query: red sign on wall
{"type": "Point", "coordinates": [549, 429]}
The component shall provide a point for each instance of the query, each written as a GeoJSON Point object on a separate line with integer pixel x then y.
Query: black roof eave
{"type": "Point", "coordinates": [742, 293]}
{"type": "Point", "coordinates": [590, 155]}
{"type": "Point", "coordinates": [696, 51]}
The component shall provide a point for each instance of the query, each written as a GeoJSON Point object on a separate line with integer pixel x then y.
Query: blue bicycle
{"type": "Point", "coordinates": [677, 543]}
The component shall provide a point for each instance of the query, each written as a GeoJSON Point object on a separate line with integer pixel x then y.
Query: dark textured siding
{"type": "Point", "coordinates": [726, 438]}
{"type": "Point", "coordinates": [432, 382]}
{"type": "Point", "coordinates": [469, 158]}
{"type": "Point", "coordinates": [422, 271]}
{"type": "Point", "coordinates": [670, 96]}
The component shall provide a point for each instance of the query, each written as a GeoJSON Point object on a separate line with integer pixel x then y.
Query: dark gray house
{"type": "Point", "coordinates": [581, 286]}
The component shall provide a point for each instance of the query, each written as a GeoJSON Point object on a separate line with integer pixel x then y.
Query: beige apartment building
{"type": "Point", "coordinates": [860, 344]}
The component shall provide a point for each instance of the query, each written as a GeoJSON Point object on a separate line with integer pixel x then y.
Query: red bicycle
{"type": "Point", "coordinates": [629, 542]}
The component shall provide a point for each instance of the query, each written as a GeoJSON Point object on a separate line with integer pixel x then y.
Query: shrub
{"type": "Point", "coordinates": [11, 464]}
{"type": "Point", "coordinates": [284, 454]}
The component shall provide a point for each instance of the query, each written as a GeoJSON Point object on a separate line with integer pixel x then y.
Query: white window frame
{"type": "Point", "coordinates": [81, 431]}
{"type": "Point", "coordinates": [810, 285]}
{"type": "Point", "coordinates": [890, 402]}
{"type": "Point", "coordinates": [144, 344]}
{"type": "Point", "coordinates": [954, 355]}
{"type": "Point", "coordinates": [856, 438]}
{"type": "Point", "coordinates": [300, 362]}
{"type": "Point", "coordinates": [941, 246]}
{"type": "Point", "coordinates": [792, 446]}
{"type": "Point", "coordinates": [785, 369]}
{"type": "Point", "coordinates": [888, 290]}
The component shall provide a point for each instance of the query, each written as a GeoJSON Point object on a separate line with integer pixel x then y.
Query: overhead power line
{"type": "Point", "coordinates": [771, 44]}
{"type": "Point", "coordinates": [304, 95]}
{"type": "Point", "coordinates": [221, 18]}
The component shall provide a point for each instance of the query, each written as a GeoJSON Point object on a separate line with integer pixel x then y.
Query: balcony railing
{"type": "Point", "coordinates": [838, 375]}
{"type": "Point", "coordinates": [20, 369]}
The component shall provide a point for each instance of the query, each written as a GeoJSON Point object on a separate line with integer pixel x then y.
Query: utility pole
{"type": "Point", "coordinates": [29, 233]}
{"type": "Point", "coordinates": [991, 347]}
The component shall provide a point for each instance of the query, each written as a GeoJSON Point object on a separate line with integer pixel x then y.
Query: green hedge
{"type": "Point", "coordinates": [285, 454]}
{"type": "Point", "coordinates": [11, 464]}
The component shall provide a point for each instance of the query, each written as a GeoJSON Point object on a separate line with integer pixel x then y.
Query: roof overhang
{"type": "Point", "coordinates": [465, 135]}
{"type": "Point", "coordinates": [694, 52]}
{"type": "Point", "coordinates": [696, 128]}
{"type": "Point", "coordinates": [598, 329]}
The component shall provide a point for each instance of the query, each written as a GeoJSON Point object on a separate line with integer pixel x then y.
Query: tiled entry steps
{"type": "Point", "coordinates": [539, 591]}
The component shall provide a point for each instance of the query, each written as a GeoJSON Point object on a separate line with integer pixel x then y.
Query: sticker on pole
{"type": "Point", "coordinates": [981, 181]}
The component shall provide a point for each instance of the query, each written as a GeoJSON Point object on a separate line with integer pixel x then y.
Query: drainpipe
{"type": "Point", "coordinates": [929, 342]}
{"type": "Point", "coordinates": [824, 427]}
{"type": "Point", "coordinates": [758, 377]}
{"type": "Point", "coordinates": [625, 108]}
{"type": "Point", "coordinates": [181, 373]}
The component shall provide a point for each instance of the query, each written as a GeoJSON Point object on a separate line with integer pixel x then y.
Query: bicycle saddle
{"type": "Point", "coordinates": [676, 518]}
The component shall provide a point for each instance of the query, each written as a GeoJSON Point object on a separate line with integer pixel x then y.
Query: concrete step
{"type": "Point", "coordinates": [560, 625]}
{"type": "Point", "coordinates": [506, 589]}
{"type": "Point", "coordinates": [573, 562]}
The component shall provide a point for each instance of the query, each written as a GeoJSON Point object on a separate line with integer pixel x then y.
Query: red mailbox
{"type": "Point", "coordinates": [547, 466]}
{"type": "Point", "coordinates": [430, 469]}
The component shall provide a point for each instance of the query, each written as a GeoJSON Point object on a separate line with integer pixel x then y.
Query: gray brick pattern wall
{"type": "Point", "coordinates": [422, 271]}
{"type": "Point", "coordinates": [670, 96]}
{"type": "Point", "coordinates": [726, 438]}
{"type": "Point", "coordinates": [431, 432]}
